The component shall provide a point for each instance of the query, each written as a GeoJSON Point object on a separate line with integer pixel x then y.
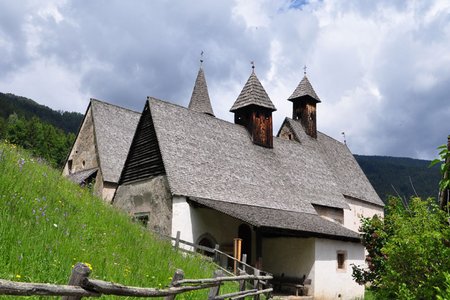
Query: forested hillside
{"type": "Point", "coordinates": [27, 108]}
{"type": "Point", "coordinates": [398, 176]}
{"type": "Point", "coordinates": [48, 134]}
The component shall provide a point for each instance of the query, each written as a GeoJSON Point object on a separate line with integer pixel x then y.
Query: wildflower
{"type": "Point", "coordinates": [21, 162]}
{"type": "Point", "coordinates": [88, 265]}
{"type": "Point", "coordinates": [55, 225]}
{"type": "Point", "coordinates": [18, 276]}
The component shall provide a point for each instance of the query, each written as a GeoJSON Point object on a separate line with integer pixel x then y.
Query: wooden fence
{"type": "Point", "coordinates": [80, 285]}
{"type": "Point", "coordinates": [225, 261]}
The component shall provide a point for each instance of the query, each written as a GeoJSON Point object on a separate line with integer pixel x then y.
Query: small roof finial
{"type": "Point", "coordinates": [201, 58]}
{"type": "Point", "coordinates": [253, 65]}
{"type": "Point", "coordinates": [343, 134]}
{"type": "Point", "coordinates": [304, 70]}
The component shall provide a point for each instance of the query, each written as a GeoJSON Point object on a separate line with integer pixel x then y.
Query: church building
{"type": "Point", "coordinates": [295, 199]}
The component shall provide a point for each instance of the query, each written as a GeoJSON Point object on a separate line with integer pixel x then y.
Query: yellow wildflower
{"type": "Point", "coordinates": [88, 265]}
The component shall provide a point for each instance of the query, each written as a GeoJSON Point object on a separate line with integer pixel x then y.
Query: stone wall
{"type": "Point", "coordinates": [83, 155]}
{"type": "Point", "coordinates": [151, 198]}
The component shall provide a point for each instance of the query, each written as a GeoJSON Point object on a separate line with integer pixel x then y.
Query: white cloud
{"type": "Point", "coordinates": [381, 68]}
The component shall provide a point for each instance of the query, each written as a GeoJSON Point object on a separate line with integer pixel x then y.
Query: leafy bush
{"type": "Point", "coordinates": [408, 251]}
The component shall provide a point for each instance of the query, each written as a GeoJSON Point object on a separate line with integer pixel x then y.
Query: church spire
{"type": "Point", "coordinates": [200, 101]}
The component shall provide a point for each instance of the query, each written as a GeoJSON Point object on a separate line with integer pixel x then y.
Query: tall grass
{"type": "Point", "coordinates": [48, 223]}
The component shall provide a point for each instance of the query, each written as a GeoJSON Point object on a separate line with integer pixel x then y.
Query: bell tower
{"type": "Point", "coordinates": [304, 100]}
{"type": "Point", "coordinates": [253, 110]}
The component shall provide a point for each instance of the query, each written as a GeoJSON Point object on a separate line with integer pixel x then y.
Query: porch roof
{"type": "Point", "coordinates": [81, 176]}
{"type": "Point", "coordinates": [282, 222]}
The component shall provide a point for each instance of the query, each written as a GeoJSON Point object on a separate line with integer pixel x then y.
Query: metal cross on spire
{"type": "Point", "coordinates": [253, 65]}
{"type": "Point", "coordinates": [201, 58]}
{"type": "Point", "coordinates": [304, 70]}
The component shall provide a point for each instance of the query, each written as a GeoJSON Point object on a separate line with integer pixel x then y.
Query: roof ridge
{"type": "Point", "coordinates": [115, 105]}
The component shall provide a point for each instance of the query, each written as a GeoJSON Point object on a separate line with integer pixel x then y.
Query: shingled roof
{"type": "Point", "coordinates": [209, 158]}
{"type": "Point", "coordinates": [253, 93]}
{"type": "Point", "coordinates": [350, 179]}
{"type": "Point", "coordinates": [200, 101]}
{"type": "Point", "coordinates": [304, 88]}
{"type": "Point", "coordinates": [303, 223]}
{"type": "Point", "coordinates": [114, 128]}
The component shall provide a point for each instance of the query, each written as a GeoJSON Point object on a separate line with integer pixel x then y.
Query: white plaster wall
{"type": "Point", "coordinates": [181, 219]}
{"type": "Point", "coordinates": [291, 256]}
{"type": "Point", "coordinates": [358, 209]}
{"type": "Point", "coordinates": [329, 282]}
{"type": "Point", "coordinates": [194, 222]}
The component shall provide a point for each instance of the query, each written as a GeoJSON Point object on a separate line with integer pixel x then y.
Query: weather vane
{"type": "Point", "coordinates": [345, 141]}
{"type": "Point", "coordinates": [304, 70]}
{"type": "Point", "coordinates": [253, 65]}
{"type": "Point", "coordinates": [201, 58]}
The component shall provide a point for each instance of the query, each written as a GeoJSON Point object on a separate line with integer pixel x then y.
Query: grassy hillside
{"type": "Point", "coordinates": [386, 173]}
{"type": "Point", "coordinates": [47, 224]}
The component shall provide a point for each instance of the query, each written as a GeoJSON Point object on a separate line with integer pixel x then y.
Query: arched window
{"type": "Point", "coordinates": [206, 240]}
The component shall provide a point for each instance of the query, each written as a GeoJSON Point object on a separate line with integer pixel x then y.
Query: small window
{"type": "Point", "coordinates": [70, 165]}
{"type": "Point", "coordinates": [84, 164]}
{"type": "Point", "coordinates": [290, 136]}
{"type": "Point", "coordinates": [341, 260]}
{"type": "Point", "coordinates": [142, 218]}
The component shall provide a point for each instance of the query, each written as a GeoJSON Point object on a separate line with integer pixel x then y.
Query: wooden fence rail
{"type": "Point", "coordinates": [215, 252]}
{"type": "Point", "coordinates": [81, 286]}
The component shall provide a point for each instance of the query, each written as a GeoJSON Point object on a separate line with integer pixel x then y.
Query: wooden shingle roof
{"type": "Point", "coordinates": [253, 93]}
{"type": "Point", "coordinates": [114, 128]}
{"type": "Point", "coordinates": [209, 158]}
{"type": "Point", "coordinates": [200, 101]}
{"type": "Point", "coordinates": [304, 88]}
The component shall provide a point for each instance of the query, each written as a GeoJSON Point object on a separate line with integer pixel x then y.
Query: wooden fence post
{"type": "Point", "coordinates": [244, 260]}
{"type": "Point", "coordinates": [177, 241]}
{"type": "Point", "coordinates": [256, 284]}
{"type": "Point", "coordinates": [216, 254]}
{"type": "Point", "coordinates": [242, 282]}
{"type": "Point", "coordinates": [179, 275]}
{"type": "Point", "coordinates": [79, 272]}
{"type": "Point", "coordinates": [237, 253]}
{"type": "Point", "coordinates": [214, 291]}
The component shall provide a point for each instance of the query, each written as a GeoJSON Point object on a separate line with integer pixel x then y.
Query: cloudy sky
{"type": "Point", "coordinates": [381, 68]}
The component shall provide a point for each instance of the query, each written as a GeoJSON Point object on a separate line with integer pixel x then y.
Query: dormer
{"type": "Point", "coordinates": [253, 110]}
{"type": "Point", "coordinates": [304, 100]}
{"type": "Point", "coordinates": [200, 101]}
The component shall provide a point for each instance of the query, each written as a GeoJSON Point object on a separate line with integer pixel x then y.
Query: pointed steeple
{"type": "Point", "coordinates": [200, 101]}
{"type": "Point", "coordinates": [253, 110]}
{"type": "Point", "coordinates": [304, 88]}
{"type": "Point", "coordinates": [253, 93]}
{"type": "Point", "coordinates": [304, 100]}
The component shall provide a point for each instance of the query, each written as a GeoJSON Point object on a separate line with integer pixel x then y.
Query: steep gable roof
{"type": "Point", "coordinates": [200, 101]}
{"type": "Point", "coordinates": [114, 128]}
{"type": "Point", "coordinates": [253, 93]}
{"type": "Point", "coordinates": [351, 180]}
{"type": "Point", "coordinates": [304, 88]}
{"type": "Point", "coordinates": [209, 158]}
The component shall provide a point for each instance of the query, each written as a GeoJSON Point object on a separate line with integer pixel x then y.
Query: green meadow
{"type": "Point", "coordinates": [47, 224]}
